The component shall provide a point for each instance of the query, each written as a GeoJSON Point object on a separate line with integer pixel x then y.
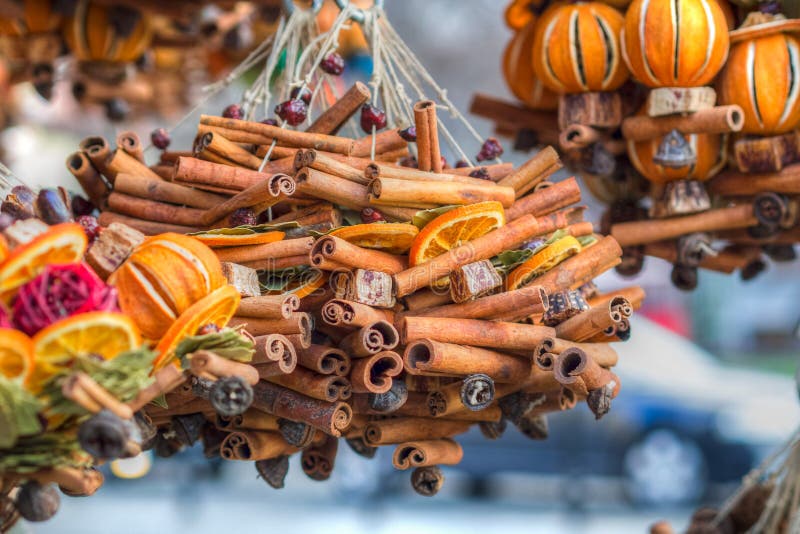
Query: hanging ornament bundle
{"type": "Point", "coordinates": [684, 124]}
{"type": "Point", "coordinates": [282, 288]}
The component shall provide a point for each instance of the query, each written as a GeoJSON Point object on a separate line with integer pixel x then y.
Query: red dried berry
{"type": "Point", "coordinates": [270, 122]}
{"type": "Point", "coordinates": [303, 93]}
{"type": "Point", "coordinates": [333, 64]}
{"type": "Point", "coordinates": [243, 217]}
{"type": "Point", "coordinates": [372, 116]}
{"type": "Point", "coordinates": [90, 227]}
{"type": "Point", "coordinates": [81, 206]}
{"type": "Point", "coordinates": [210, 328]}
{"type": "Point", "coordinates": [409, 134]}
{"type": "Point", "coordinates": [370, 215]}
{"type": "Point", "coordinates": [491, 149]}
{"type": "Point", "coordinates": [292, 111]}
{"type": "Point", "coordinates": [445, 165]}
{"type": "Point", "coordinates": [160, 138]}
{"type": "Point", "coordinates": [482, 173]}
{"type": "Point", "coordinates": [409, 161]}
{"type": "Point", "coordinates": [234, 111]}
{"type": "Point", "coordinates": [461, 163]}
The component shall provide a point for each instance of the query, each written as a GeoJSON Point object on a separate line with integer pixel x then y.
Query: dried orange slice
{"type": "Point", "coordinates": [235, 240]}
{"type": "Point", "coordinates": [3, 249]}
{"type": "Point", "coordinates": [215, 308]}
{"type": "Point", "coordinates": [543, 261]}
{"type": "Point", "coordinates": [62, 243]}
{"type": "Point", "coordinates": [104, 334]}
{"type": "Point", "coordinates": [395, 238]}
{"type": "Point", "coordinates": [455, 227]}
{"type": "Point", "coordinates": [16, 354]}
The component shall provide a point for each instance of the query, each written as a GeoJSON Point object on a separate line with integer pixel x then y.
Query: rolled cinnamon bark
{"type": "Point", "coordinates": [99, 152]}
{"type": "Point", "coordinates": [324, 163]}
{"type": "Point", "coordinates": [269, 306]}
{"type": "Point", "coordinates": [576, 370]}
{"type": "Point", "coordinates": [428, 452]}
{"type": "Point", "coordinates": [166, 379]}
{"type": "Point", "coordinates": [650, 231]}
{"type": "Point", "coordinates": [162, 191]}
{"type": "Point", "coordinates": [254, 445]}
{"type": "Point", "coordinates": [534, 171]}
{"type": "Point", "coordinates": [547, 200]}
{"type": "Point", "coordinates": [557, 400]}
{"type": "Point", "coordinates": [732, 183]}
{"type": "Point", "coordinates": [582, 267]}
{"type": "Point", "coordinates": [225, 148]}
{"type": "Point", "coordinates": [602, 353]}
{"type": "Point", "coordinates": [390, 190]}
{"type": "Point", "coordinates": [504, 238]}
{"type": "Point", "coordinates": [577, 136]}
{"type": "Point", "coordinates": [153, 211]}
{"type": "Point", "coordinates": [251, 419]}
{"type": "Point", "coordinates": [198, 173]}
{"type": "Point", "coordinates": [495, 171]}
{"type": "Point", "coordinates": [473, 332]}
{"type": "Point", "coordinates": [292, 138]}
{"type": "Point", "coordinates": [331, 418]}
{"type": "Point", "coordinates": [633, 294]}
{"type": "Point", "coordinates": [331, 253]}
{"type": "Point", "coordinates": [130, 143]}
{"type": "Point", "coordinates": [426, 298]}
{"type": "Point", "coordinates": [318, 459]}
{"type": "Point", "coordinates": [89, 178]}
{"type": "Point", "coordinates": [329, 388]}
{"type": "Point", "coordinates": [716, 120]}
{"type": "Point", "coordinates": [340, 112]}
{"type": "Point", "coordinates": [429, 158]}
{"type": "Point", "coordinates": [324, 360]}
{"type": "Point", "coordinates": [512, 114]}
{"type": "Point", "coordinates": [120, 161]}
{"type": "Point", "coordinates": [524, 301]}
{"type": "Point", "coordinates": [404, 429]}
{"type": "Point", "coordinates": [83, 390]}
{"type": "Point", "coordinates": [340, 312]}
{"type": "Point", "coordinates": [204, 363]}
{"type": "Point", "coordinates": [370, 339]}
{"type": "Point", "coordinates": [277, 249]}
{"type": "Point", "coordinates": [425, 356]}
{"type": "Point", "coordinates": [261, 195]}
{"type": "Point", "coordinates": [298, 323]}
{"type": "Point", "coordinates": [376, 170]}
{"type": "Point", "coordinates": [236, 136]}
{"type": "Point", "coordinates": [591, 322]}
{"type": "Point", "coordinates": [385, 142]}
{"type": "Point", "coordinates": [340, 191]}
{"type": "Point", "coordinates": [274, 354]}
{"type": "Point", "coordinates": [374, 374]}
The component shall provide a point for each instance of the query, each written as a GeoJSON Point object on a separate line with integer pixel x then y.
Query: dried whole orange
{"type": "Point", "coordinates": [577, 49]}
{"type": "Point", "coordinates": [164, 276]}
{"type": "Point", "coordinates": [455, 227]}
{"type": "Point", "coordinates": [672, 43]}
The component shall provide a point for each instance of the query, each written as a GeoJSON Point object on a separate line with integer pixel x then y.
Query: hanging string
{"type": "Point", "coordinates": [8, 180]}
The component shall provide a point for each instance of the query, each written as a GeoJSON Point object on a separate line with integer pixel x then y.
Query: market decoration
{"type": "Point", "coordinates": [283, 286]}
{"type": "Point", "coordinates": [655, 150]}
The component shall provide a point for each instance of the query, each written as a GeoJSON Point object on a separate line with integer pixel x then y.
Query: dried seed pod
{"type": "Point", "coordinates": [599, 400]}
{"type": "Point", "coordinates": [166, 446]}
{"type": "Point", "coordinates": [274, 470]}
{"type": "Point", "coordinates": [684, 277]}
{"type": "Point", "coordinates": [533, 426]}
{"type": "Point", "coordinates": [493, 429]}
{"type": "Point", "coordinates": [361, 448]}
{"type": "Point", "coordinates": [477, 391]}
{"type": "Point", "coordinates": [36, 501]}
{"type": "Point", "coordinates": [104, 435]}
{"type": "Point", "coordinates": [390, 401]}
{"type": "Point", "coordinates": [296, 433]}
{"type": "Point", "coordinates": [427, 481]}
{"type": "Point", "coordinates": [187, 428]}
{"type": "Point", "coordinates": [231, 395]}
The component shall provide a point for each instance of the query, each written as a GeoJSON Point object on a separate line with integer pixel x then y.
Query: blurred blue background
{"type": "Point", "coordinates": [708, 385]}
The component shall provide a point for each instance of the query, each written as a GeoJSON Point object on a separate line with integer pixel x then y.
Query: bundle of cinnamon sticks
{"type": "Point", "coordinates": [356, 338]}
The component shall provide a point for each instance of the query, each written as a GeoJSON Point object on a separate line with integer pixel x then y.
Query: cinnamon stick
{"type": "Point", "coordinates": [474, 332]}
{"type": "Point", "coordinates": [732, 183]}
{"type": "Point", "coordinates": [269, 306]}
{"type": "Point", "coordinates": [262, 194]}
{"type": "Point", "coordinates": [716, 120]}
{"type": "Point", "coordinates": [428, 452]}
{"type": "Point", "coordinates": [333, 118]}
{"type": "Point", "coordinates": [404, 429]}
{"type": "Point", "coordinates": [329, 388]}
{"type": "Point", "coordinates": [204, 173]}
{"type": "Point", "coordinates": [526, 301]}
{"type": "Point", "coordinates": [162, 191]}
{"type": "Point", "coordinates": [298, 323]}
{"type": "Point", "coordinates": [254, 445]}
{"type": "Point", "coordinates": [204, 363]}
{"type": "Point", "coordinates": [331, 253]}
{"type": "Point", "coordinates": [374, 374]}
{"type": "Point", "coordinates": [340, 312]}
{"type": "Point", "coordinates": [130, 143]}
{"type": "Point", "coordinates": [324, 360]}
{"type": "Point", "coordinates": [582, 267]}
{"type": "Point", "coordinates": [544, 201]}
{"type": "Point", "coordinates": [89, 178]}
{"type": "Point", "coordinates": [425, 356]}
{"type": "Point", "coordinates": [225, 148]}
{"type": "Point", "coordinates": [277, 249]}
{"type": "Point", "coordinates": [370, 339]}
{"type": "Point", "coordinates": [390, 190]}
{"type": "Point", "coordinates": [153, 211]}
{"type": "Point", "coordinates": [274, 354]}
{"type": "Point", "coordinates": [381, 170]}
{"type": "Point", "coordinates": [429, 157]}
{"type": "Point", "coordinates": [332, 418]}
{"type": "Point", "coordinates": [534, 171]}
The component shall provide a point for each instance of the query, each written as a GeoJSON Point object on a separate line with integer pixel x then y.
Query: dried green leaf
{"type": "Point", "coordinates": [19, 411]}
{"type": "Point", "coordinates": [228, 343]}
{"type": "Point", "coordinates": [249, 229]}
{"type": "Point", "coordinates": [423, 217]}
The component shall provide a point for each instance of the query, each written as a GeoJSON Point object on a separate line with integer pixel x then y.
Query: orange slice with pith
{"type": "Point", "coordinates": [543, 261]}
{"type": "Point", "coordinates": [454, 228]}
{"type": "Point", "coordinates": [16, 354]}
{"type": "Point", "coordinates": [235, 240]}
{"type": "Point", "coordinates": [394, 238]}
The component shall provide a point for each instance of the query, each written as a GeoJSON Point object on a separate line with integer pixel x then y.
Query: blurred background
{"type": "Point", "coordinates": [708, 376]}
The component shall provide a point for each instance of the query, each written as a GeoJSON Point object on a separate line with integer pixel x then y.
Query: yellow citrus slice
{"type": "Point", "coordinates": [16, 354]}
{"type": "Point", "coordinates": [62, 243]}
{"type": "Point", "coordinates": [104, 334]}
{"type": "Point", "coordinates": [543, 261]}
{"type": "Point", "coordinates": [221, 240]}
{"type": "Point", "coordinates": [395, 238]}
{"type": "Point", "coordinates": [454, 228]}
{"type": "Point", "coordinates": [215, 308]}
